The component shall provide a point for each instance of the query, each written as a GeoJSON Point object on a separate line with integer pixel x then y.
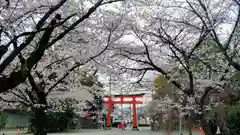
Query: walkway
{"type": "Point", "coordinates": [142, 131]}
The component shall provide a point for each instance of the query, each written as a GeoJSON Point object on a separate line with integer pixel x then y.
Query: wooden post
{"type": "Point", "coordinates": [108, 125]}
{"type": "Point", "coordinates": [135, 126]}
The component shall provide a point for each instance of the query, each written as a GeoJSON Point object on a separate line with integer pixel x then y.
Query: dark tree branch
{"type": "Point", "coordinates": [178, 58]}
{"type": "Point", "coordinates": [20, 96]}
{"type": "Point", "coordinates": [141, 78]}
{"type": "Point", "coordinates": [138, 69]}
{"type": "Point", "coordinates": [17, 77]}
{"type": "Point", "coordinates": [13, 8]}
{"type": "Point", "coordinates": [129, 52]}
{"type": "Point", "coordinates": [204, 96]}
{"type": "Point", "coordinates": [214, 34]}
{"type": "Point", "coordinates": [39, 30]}
{"type": "Point", "coordinates": [38, 90]}
{"type": "Point", "coordinates": [152, 67]}
{"type": "Point", "coordinates": [14, 101]}
{"type": "Point", "coordinates": [85, 16]}
{"type": "Point", "coordinates": [7, 3]}
{"type": "Point", "coordinates": [111, 1]}
{"type": "Point", "coordinates": [78, 64]}
{"type": "Point", "coordinates": [28, 40]}
{"type": "Point", "coordinates": [197, 45]}
{"type": "Point", "coordinates": [237, 1]}
{"type": "Point", "coordinates": [57, 61]}
{"type": "Point", "coordinates": [50, 11]}
{"type": "Point", "coordinates": [198, 14]}
{"type": "Point", "coordinates": [235, 27]}
{"type": "Point", "coordinates": [135, 60]}
{"type": "Point", "coordinates": [148, 55]}
{"type": "Point", "coordinates": [31, 96]}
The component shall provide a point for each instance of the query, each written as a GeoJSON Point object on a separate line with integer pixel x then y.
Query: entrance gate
{"type": "Point", "coordinates": [121, 99]}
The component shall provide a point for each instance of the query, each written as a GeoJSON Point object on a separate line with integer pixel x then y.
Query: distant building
{"type": "Point", "coordinates": [16, 118]}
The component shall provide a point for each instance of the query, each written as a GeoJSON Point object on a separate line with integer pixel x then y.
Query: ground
{"type": "Point", "coordinates": [142, 131]}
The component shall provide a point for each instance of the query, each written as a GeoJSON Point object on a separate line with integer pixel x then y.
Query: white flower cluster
{"type": "Point", "coordinates": [39, 106]}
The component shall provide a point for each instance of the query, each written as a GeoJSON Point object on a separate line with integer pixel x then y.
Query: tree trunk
{"type": "Point", "coordinates": [190, 130]}
{"type": "Point", "coordinates": [223, 129]}
{"type": "Point", "coordinates": [40, 124]}
{"type": "Point", "coordinates": [205, 126]}
{"type": "Point", "coordinates": [189, 125]}
{"type": "Point", "coordinates": [39, 111]}
{"type": "Point", "coordinates": [170, 127]}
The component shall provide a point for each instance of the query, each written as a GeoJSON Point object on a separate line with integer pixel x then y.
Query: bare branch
{"type": "Point", "coordinates": [78, 64]}
{"type": "Point", "coordinates": [200, 40]}
{"type": "Point", "coordinates": [236, 25]}
{"type": "Point", "coordinates": [39, 30]}
{"type": "Point", "coordinates": [237, 1]}
{"type": "Point", "coordinates": [20, 76]}
{"type": "Point", "coordinates": [85, 16]}
{"type": "Point", "coordinates": [148, 55]}
{"type": "Point", "coordinates": [141, 78]}
{"type": "Point", "coordinates": [111, 1]}
{"type": "Point", "coordinates": [57, 61]}
{"type": "Point", "coordinates": [10, 58]}
{"type": "Point", "coordinates": [14, 101]}
{"type": "Point", "coordinates": [136, 60]}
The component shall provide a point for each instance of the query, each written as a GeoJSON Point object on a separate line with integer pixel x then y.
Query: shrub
{"type": "Point", "coordinates": [59, 118]}
{"type": "Point", "coordinates": [59, 121]}
{"type": "Point", "coordinates": [234, 119]}
{"type": "Point", "coordinates": [3, 119]}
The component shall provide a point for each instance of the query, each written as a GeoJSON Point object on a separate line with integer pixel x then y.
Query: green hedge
{"type": "Point", "coordinates": [234, 119]}
{"type": "Point", "coordinates": [62, 118]}
{"type": "Point", "coordinates": [57, 121]}
{"type": "Point", "coordinates": [3, 119]}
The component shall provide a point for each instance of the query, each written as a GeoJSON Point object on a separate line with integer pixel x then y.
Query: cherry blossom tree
{"type": "Point", "coordinates": [33, 24]}
{"type": "Point", "coordinates": [52, 80]}
{"type": "Point", "coordinates": [180, 47]}
{"type": "Point", "coordinates": [193, 44]}
{"type": "Point", "coordinates": [42, 53]}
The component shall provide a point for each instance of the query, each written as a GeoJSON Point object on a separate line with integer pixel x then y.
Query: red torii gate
{"type": "Point", "coordinates": [110, 102]}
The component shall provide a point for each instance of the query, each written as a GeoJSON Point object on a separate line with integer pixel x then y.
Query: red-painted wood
{"type": "Point", "coordinates": [110, 102]}
{"type": "Point", "coordinates": [122, 102]}
{"type": "Point", "coordinates": [134, 116]}
{"type": "Point", "coordinates": [109, 115]}
{"type": "Point", "coordinates": [124, 96]}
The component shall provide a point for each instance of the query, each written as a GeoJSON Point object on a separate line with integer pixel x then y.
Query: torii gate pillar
{"type": "Point", "coordinates": [134, 102]}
